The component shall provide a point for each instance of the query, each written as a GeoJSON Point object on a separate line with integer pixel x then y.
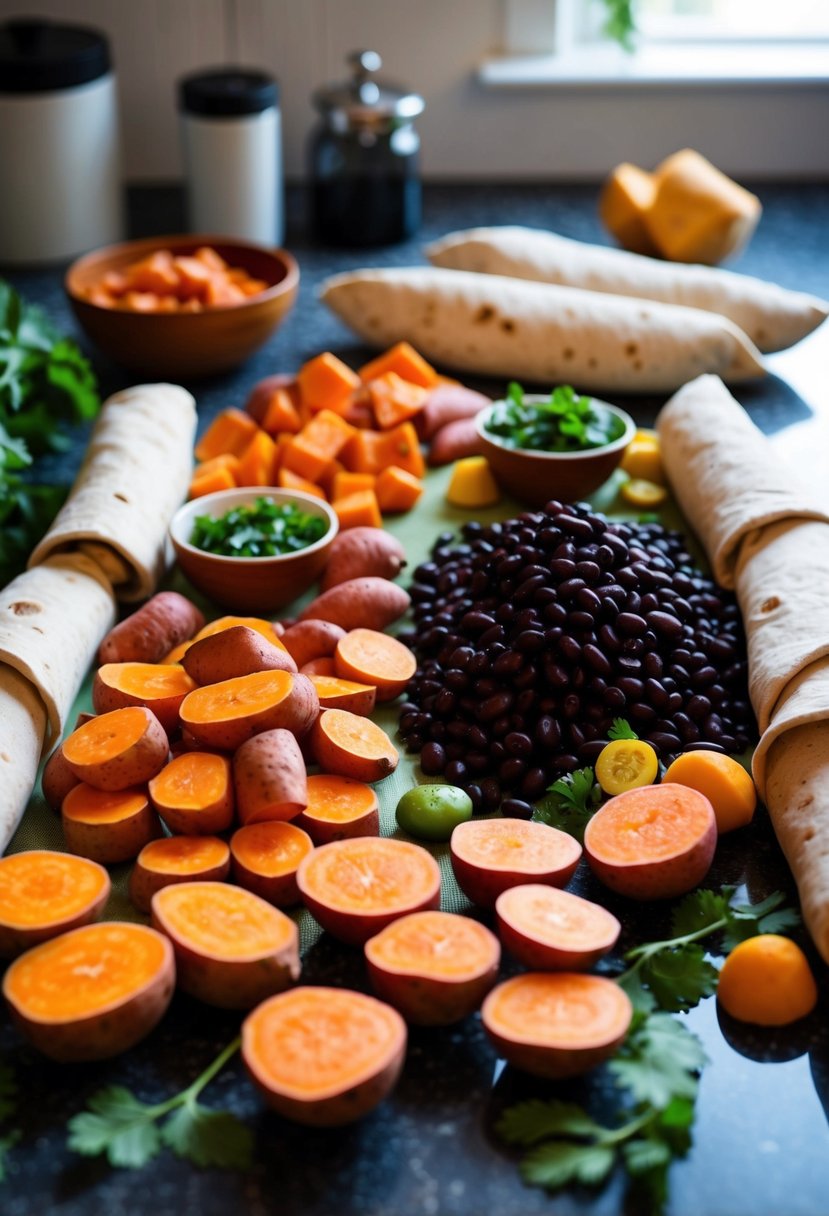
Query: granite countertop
{"type": "Point", "coordinates": [761, 1140]}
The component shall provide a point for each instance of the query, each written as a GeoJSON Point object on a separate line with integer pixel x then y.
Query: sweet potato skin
{"type": "Point", "coordinates": [362, 552]}
{"type": "Point", "coordinates": [483, 885]}
{"type": "Point", "coordinates": [455, 441]}
{"type": "Point", "coordinates": [57, 780]}
{"type": "Point", "coordinates": [448, 403]}
{"type": "Point", "coordinates": [238, 651]}
{"type": "Point", "coordinates": [109, 843]}
{"type": "Point", "coordinates": [145, 882]}
{"type": "Point", "coordinates": [137, 764]}
{"type": "Point", "coordinates": [296, 712]}
{"type": "Point", "coordinates": [101, 1035]}
{"type": "Point", "coordinates": [369, 603]}
{"type": "Point", "coordinates": [269, 777]}
{"type": "Point", "coordinates": [107, 696]}
{"type": "Point", "coordinates": [309, 640]}
{"type": "Point", "coordinates": [165, 621]}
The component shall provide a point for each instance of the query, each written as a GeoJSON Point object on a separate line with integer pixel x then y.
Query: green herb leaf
{"type": "Point", "coordinates": [659, 1061]}
{"type": "Point", "coordinates": [700, 909]}
{"type": "Point", "coordinates": [118, 1126]}
{"type": "Point", "coordinates": [554, 1165]}
{"type": "Point", "coordinates": [528, 1122]}
{"type": "Point", "coordinates": [564, 422]}
{"type": "Point", "coordinates": [621, 729]}
{"type": "Point", "coordinates": [209, 1137]}
{"type": "Point", "coordinates": [263, 529]}
{"type": "Point", "coordinates": [679, 979]}
{"type": "Point", "coordinates": [570, 802]}
{"type": "Point", "coordinates": [643, 1155]}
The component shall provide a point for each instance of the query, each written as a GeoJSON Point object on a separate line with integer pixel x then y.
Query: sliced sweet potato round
{"type": "Point", "coordinates": [177, 859]}
{"type": "Point", "coordinates": [93, 992]}
{"type": "Point", "coordinates": [356, 887]}
{"type": "Point", "coordinates": [556, 1024]}
{"type": "Point", "coordinates": [336, 693]}
{"type": "Point", "coordinates": [434, 967]}
{"type": "Point", "coordinates": [352, 746]}
{"type": "Point", "coordinates": [491, 855]}
{"type": "Point", "coordinates": [232, 948]}
{"type": "Point", "coordinates": [115, 750]}
{"type": "Point", "coordinates": [225, 715]}
{"type": "Point", "coordinates": [324, 1056]}
{"type": "Point", "coordinates": [375, 658]}
{"type": "Point", "coordinates": [160, 687]}
{"type": "Point", "coordinates": [266, 857]}
{"type": "Point", "coordinates": [44, 893]}
{"type": "Point", "coordinates": [193, 794]}
{"type": "Point", "coordinates": [338, 808]}
{"type": "Point", "coordinates": [108, 826]}
{"type": "Point", "coordinates": [551, 930]}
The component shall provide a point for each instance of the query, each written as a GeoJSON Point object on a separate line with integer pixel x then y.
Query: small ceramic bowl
{"type": "Point", "coordinates": [251, 585]}
{"type": "Point", "coordinates": [534, 478]}
{"type": "Point", "coordinates": [184, 345]}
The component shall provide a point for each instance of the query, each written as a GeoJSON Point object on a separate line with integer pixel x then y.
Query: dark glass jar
{"type": "Point", "coordinates": [365, 170]}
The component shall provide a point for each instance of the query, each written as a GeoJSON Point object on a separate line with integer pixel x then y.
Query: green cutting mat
{"type": "Point", "coordinates": [417, 530]}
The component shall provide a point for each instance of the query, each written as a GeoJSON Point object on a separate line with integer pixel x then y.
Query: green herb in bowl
{"type": "Point", "coordinates": [263, 529]}
{"type": "Point", "coordinates": [563, 422]}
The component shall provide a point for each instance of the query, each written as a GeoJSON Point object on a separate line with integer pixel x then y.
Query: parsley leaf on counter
{"type": "Point", "coordinates": [570, 802]}
{"type": "Point", "coordinates": [621, 729]}
{"type": "Point", "coordinates": [128, 1132]}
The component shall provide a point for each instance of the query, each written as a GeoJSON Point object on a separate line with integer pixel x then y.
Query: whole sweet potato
{"type": "Point", "coordinates": [448, 403]}
{"type": "Point", "coordinates": [362, 552]}
{"type": "Point", "coordinates": [146, 636]}
{"type": "Point", "coordinates": [308, 640]}
{"type": "Point", "coordinates": [269, 777]}
{"type": "Point", "coordinates": [234, 652]}
{"type": "Point", "coordinates": [368, 603]}
{"type": "Point", "coordinates": [454, 441]}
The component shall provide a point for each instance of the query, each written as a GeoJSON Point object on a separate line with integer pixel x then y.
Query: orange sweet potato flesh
{"type": "Point", "coordinates": [434, 967]}
{"type": "Point", "coordinates": [226, 714]}
{"type": "Point", "coordinates": [260, 395]}
{"type": "Point", "coordinates": [397, 491]}
{"type": "Point", "coordinates": [325, 381]}
{"type": "Point", "coordinates": [361, 553]}
{"type": "Point", "coordinates": [405, 362]}
{"type": "Point", "coordinates": [233, 652]}
{"type": "Point", "coordinates": [356, 887]}
{"type": "Point", "coordinates": [230, 431]}
{"type": "Point", "coordinates": [91, 993]}
{"type": "Point", "coordinates": [551, 930]}
{"type": "Point", "coordinates": [491, 855]}
{"type": "Point", "coordinates": [558, 1024]}
{"type": "Point", "coordinates": [359, 603]}
{"type": "Point", "coordinates": [176, 859]}
{"type": "Point", "coordinates": [44, 893]}
{"type": "Point", "coordinates": [371, 657]}
{"type": "Point", "coordinates": [256, 462]}
{"type": "Point", "coordinates": [266, 857]}
{"type": "Point", "coordinates": [358, 510]}
{"type": "Point", "coordinates": [338, 808]}
{"type": "Point", "coordinates": [352, 746]}
{"type": "Point", "coordinates": [147, 635]}
{"type": "Point", "coordinates": [395, 400]}
{"type": "Point", "coordinates": [269, 777]}
{"type": "Point", "coordinates": [160, 687]}
{"type": "Point", "coordinates": [288, 480]}
{"type": "Point", "coordinates": [337, 693]}
{"type": "Point", "coordinates": [365, 1047]}
{"type": "Point", "coordinates": [193, 794]}
{"type": "Point", "coordinates": [232, 948]}
{"type": "Point", "coordinates": [108, 826]}
{"type": "Point", "coordinates": [266, 628]}
{"type": "Point", "coordinates": [309, 640]}
{"type": "Point", "coordinates": [116, 750]}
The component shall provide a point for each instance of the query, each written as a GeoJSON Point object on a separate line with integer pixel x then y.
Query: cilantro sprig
{"type": "Point", "coordinates": [565, 422]}
{"type": "Point", "coordinates": [570, 802]}
{"type": "Point", "coordinates": [129, 1133]}
{"type": "Point", "coordinates": [264, 528]}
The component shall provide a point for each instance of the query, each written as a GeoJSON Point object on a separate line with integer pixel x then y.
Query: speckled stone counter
{"type": "Point", "coordinates": [761, 1139]}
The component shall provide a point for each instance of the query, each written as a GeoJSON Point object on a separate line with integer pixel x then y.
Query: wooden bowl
{"type": "Point", "coordinates": [184, 345]}
{"type": "Point", "coordinates": [251, 585]}
{"type": "Point", "coordinates": [534, 477]}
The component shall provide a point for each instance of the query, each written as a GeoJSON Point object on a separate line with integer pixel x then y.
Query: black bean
{"type": "Point", "coordinates": [518, 744]}
{"type": "Point", "coordinates": [570, 587]}
{"type": "Point", "coordinates": [571, 705]}
{"type": "Point", "coordinates": [596, 659]}
{"type": "Point", "coordinates": [529, 641]}
{"type": "Point", "coordinates": [477, 762]}
{"type": "Point", "coordinates": [590, 751]}
{"type": "Point", "coordinates": [664, 624]}
{"type": "Point", "coordinates": [498, 729]}
{"type": "Point", "coordinates": [588, 570]}
{"type": "Point", "coordinates": [574, 526]}
{"type": "Point", "coordinates": [490, 793]}
{"type": "Point", "coordinates": [652, 665]}
{"type": "Point", "coordinates": [704, 747]}
{"type": "Point", "coordinates": [609, 638]}
{"type": "Point", "coordinates": [564, 762]}
{"type": "Point", "coordinates": [534, 783]}
{"type": "Point", "coordinates": [432, 759]}
{"type": "Point", "coordinates": [614, 698]}
{"type": "Point", "coordinates": [475, 623]}
{"type": "Point", "coordinates": [515, 808]}
{"type": "Point", "coordinates": [641, 712]}
{"type": "Point", "coordinates": [494, 706]}
{"type": "Point", "coordinates": [507, 664]}
{"type": "Point", "coordinates": [588, 601]}
{"type": "Point", "coordinates": [547, 732]}
{"type": "Point", "coordinates": [527, 618]}
{"type": "Point", "coordinates": [631, 624]}
{"type": "Point", "coordinates": [570, 648]}
{"type": "Point", "coordinates": [702, 677]}
{"type": "Point", "coordinates": [664, 742]}
{"type": "Point", "coordinates": [414, 742]}
{"type": "Point", "coordinates": [630, 686]}
{"type": "Point", "coordinates": [455, 772]}
{"type": "Point", "coordinates": [511, 771]}
{"type": "Point", "coordinates": [698, 708]}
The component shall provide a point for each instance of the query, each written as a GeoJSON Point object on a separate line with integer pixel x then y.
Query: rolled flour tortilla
{"type": "Point", "coordinates": [725, 474]}
{"type": "Point", "coordinates": [772, 317]}
{"type": "Point", "coordinates": [52, 619]}
{"type": "Point", "coordinates": [507, 327]}
{"type": "Point", "coordinates": [135, 474]}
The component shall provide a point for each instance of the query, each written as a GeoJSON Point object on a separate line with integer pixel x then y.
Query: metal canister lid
{"type": "Point", "coordinates": [227, 92]}
{"type": "Point", "coordinates": [38, 56]}
{"type": "Point", "coordinates": [364, 100]}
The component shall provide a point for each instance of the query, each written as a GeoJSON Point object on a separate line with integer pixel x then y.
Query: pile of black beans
{"type": "Point", "coordinates": [533, 634]}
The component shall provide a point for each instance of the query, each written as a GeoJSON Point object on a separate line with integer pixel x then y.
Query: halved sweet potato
{"type": "Point", "coordinates": [551, 930]}
{"type": "Point", "coordinates": [177, 859]}
{"type": "Point", "coordinates": [375, 658]}
{"type": "Point", "coordinates": [266, 628]}
{"type": "Point", "coordinates": [266, 857]}
{"type": "Point", "coordinates": [356, 887]}
{"type": "Point", "coordinates": [116, 750]}
{"type": "Point", "coordinates": [93, 992]}
{"type": "Point", "coordinates": [491, 855]}
{"type": "Point", "coordinates": [352, 746]}
{"type": "Point", "coordinates": [269, 777]}
{"type": "Point", "coordinates": [224, 715]}
{"type": "Point", "coordinates": [324, 1056]}
{"type": "Point", "coordinates": [57, 779]}
{"type": "Point", "coordinates": [161, 687]}
{"type": "Point", "coordinates": [44, 893]}
{"type": "Point", "coordinates": [108, 826]}
{"type": "Point", "coordinates": [237, 651]}
{"type": "Point", "coordinates": [232, 948]}
{"type": "Point", "coordinates": [339, 808]}
{"type": "Point", "coordinates": [556, 1024]}
{"type": "Point", "coordinates": [309, 640]}
{"type": "Point", "coordinates": [193, 794]}
{"type": "Point", "coordinates": [434, 967]}
{"type": "Point", "coordinates": [336, 693]}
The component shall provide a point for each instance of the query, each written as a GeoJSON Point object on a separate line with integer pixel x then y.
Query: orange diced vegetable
{"type": "Point", "coordinates": [218, 478]}
{"type": "Point", "coordinates": [397, 490]}
{"type": "Point", "coordinates": [326, 380]}
{"type": "Point", "coordinates": [289, 480]}
{"type": "Point", "coordinates": [281, 414]}
{"type": "Point", "coordinates": [230, 431]}
{"type": "Point", "coordinates": [358, 510]}
{"type": "Point", "coordinates": [404, 360]}
{"type": "Point", "coordinates": [395, 400]}
{"type": "Point", "coordinates": [346, 483]}
{"type": "Point", "coordinates": [328, 433]}
{"type": "Point", "coordinates": [257, 461]}
{"type": "Point", "coordinates": [304, 458]}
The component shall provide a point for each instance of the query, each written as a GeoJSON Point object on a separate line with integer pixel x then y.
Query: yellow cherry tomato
{"type": "Point", "coordinates": [641, 493]}
{"type": "Point", "coordinates": [625, 764]}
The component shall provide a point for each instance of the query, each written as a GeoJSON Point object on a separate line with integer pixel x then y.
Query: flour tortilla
{"type": "Point", "coordinates": [512, 328]}
{"type": "Point", "coordinates": [22, 731]}
{"type": "Point", "coordinates": [726, 476]}
{"type": "Point", "coordinates": [135, 474]}
{"type": "Point", "coordinates": [772, 317]}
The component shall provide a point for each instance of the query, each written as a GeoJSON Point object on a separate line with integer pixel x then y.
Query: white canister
{"type": "Point", "coordinates": [232, 146]}
{"type": "Point", "coordinates": [59, 146]}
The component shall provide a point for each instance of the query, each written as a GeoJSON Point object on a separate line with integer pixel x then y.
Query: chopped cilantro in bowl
{"type": "Point", "coordinates": [562, 422]}
{"type": "Point", "coordinates": [264, 528]}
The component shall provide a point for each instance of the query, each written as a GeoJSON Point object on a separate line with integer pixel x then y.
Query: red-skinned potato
{"type": "Point", "coordinates": [44, 894]}
{"type": "Point", "coordinates": [491, 855]}
{"type": "Point", "coordinates": [238, 651]}
{"type": "Point", "coordinates": [551, 930]}
{"type": "Point", "coordinates": [363, 551]}
{"type": "Point", "coordinates": [365, 1048]}
{"type": "Point", "coordinates": [261, 393]}
{"type": "Point", "coordinates": [654, 842]}
{"type": "Point", "coordinates": [146, 636]}
{"type": "Point", "coordinates": [434, 967]}
{"type": "Point", "coordinates": [160, 687]}
{"type": "Point", "coordinates": [556, 1024]}
{"type": "Point", "coordinates": [91, 993]}
{"type": "Point", "coordinates": [309, 640]}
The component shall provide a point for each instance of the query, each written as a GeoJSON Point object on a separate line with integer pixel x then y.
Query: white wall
{"type": "Point", "coordinates": [435, 47]}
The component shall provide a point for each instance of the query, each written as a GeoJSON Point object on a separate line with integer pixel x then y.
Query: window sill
{"type": "Point", "coordinates": [700, 65]}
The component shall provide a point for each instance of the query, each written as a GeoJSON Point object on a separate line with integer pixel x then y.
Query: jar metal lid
{"type": "Point", "coordinates": [38, 56]}
{"type": "Point", "coordinates": [227, 92]}
{"type": "Point", "coordinates": [364, 100]}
